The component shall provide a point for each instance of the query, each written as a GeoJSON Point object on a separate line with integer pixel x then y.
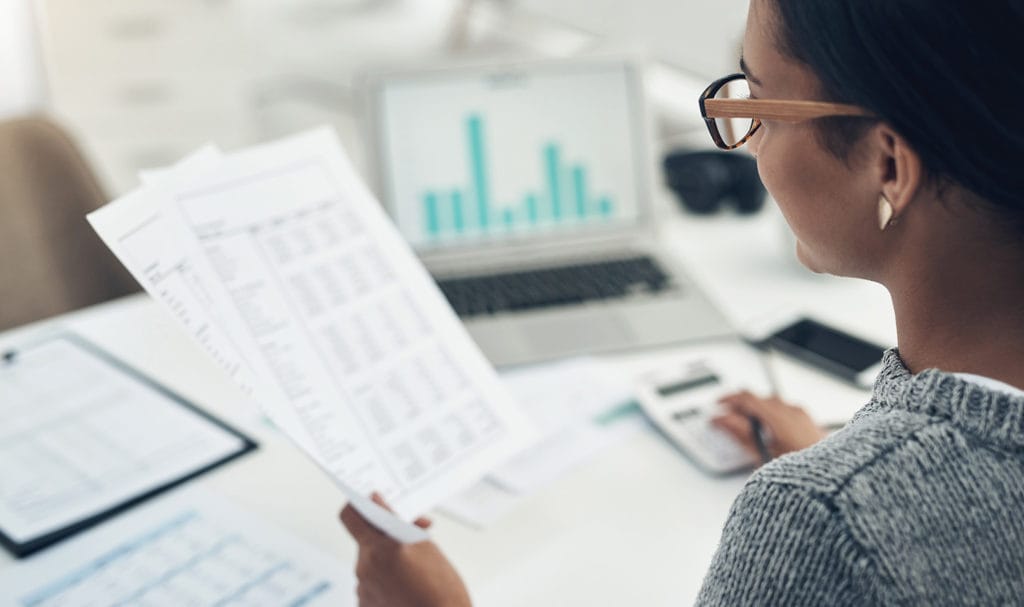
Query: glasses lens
{"type": "Point", "coordinates": [733, 130]}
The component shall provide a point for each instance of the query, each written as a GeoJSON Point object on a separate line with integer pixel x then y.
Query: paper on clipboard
{"type": "Point", "coordinates": [83, 436]}
{"type": "Point", "coordinates": [283, 265]}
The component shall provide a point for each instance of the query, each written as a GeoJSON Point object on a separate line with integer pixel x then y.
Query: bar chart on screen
{"type": "Point", "coordinates": [511, 154]}
{"type": "Point", "coordinates": [564, 196]}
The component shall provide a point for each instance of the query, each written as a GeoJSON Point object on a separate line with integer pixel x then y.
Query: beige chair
{"type": "Point", "coordinates": [51, 261]}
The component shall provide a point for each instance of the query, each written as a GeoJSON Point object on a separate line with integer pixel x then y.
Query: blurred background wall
{"type": "Point", "coordinates": [141, 82]}
{"type": "Point", "coordinates": [21, 75]}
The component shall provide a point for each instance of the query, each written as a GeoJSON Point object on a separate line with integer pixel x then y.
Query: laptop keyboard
{"type": "Point", "coordinates": [551, 287]}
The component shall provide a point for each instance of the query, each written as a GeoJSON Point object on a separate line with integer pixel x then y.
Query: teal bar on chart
{"type": "Point", "coordinates": [532, 210]}
{"type": "Point", "coordinates": [458, 212]}
{"type": "Point", "coordinates": [552, 159]}
{"type": "Point", "coordinates": [564, 194]}
{"type": "Point", "coordinates": [579, 183]}
{"type": "Point", "coordinates": [478, 168]}
{"type": "Point", "coordinates": [433, 214]}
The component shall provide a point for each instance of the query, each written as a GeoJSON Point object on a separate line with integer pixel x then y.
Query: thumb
{"type": "Point", "coordinates": [421, 522]}
{"type": "Point", "coordinates": [358, 527]}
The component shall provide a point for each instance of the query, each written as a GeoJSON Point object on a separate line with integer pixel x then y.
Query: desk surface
{"type": "Point", "coordinates": [636, 525]}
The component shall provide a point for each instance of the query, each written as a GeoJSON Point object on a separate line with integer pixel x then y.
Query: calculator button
{"type": "Point", "coordinates": [685, 415]}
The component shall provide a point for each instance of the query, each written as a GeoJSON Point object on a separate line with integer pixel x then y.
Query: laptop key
{"type": "Point", "coordinates": [552, 287]}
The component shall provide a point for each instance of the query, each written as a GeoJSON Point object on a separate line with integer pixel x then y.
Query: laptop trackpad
{"type": "Point", "coordinates": [577, 332]}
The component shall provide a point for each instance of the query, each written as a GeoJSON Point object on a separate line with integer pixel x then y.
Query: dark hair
{"type": "Point", "coordinates": [946, 74]}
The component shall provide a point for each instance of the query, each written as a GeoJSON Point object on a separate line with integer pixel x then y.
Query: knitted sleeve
{"type": "Point", "coordinates": [784, 545]}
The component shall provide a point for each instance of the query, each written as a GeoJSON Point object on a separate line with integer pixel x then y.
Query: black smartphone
{"type": "Point", "coordinates": [851, 358]}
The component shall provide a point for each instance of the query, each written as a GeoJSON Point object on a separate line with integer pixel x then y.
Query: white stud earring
{"type": "Point", "coordinates": [885, 213]}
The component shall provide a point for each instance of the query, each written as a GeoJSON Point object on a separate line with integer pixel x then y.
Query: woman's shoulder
{"type": "Point", "coordinates": [786, 541]}
{"type": "Point", "coordinates": [875, 435]}
{"type": "Point", "coordinates": [887, 453]}
{"type": "Point", "coordinates": [806, 505]}
{"type": "Point", "coordinates": [892, 498]}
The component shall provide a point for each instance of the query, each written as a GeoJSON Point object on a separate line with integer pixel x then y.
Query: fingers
{"type": "Point", "coordinates": [735, 424]}
{"type": "Point", "coordinates": [422, 522]}
{"type": "Point", "coordinates": [364, 532]}
{"type": "Point", "coordinates": [746, 403]}
{"type": "Point", "coordinates": [740, 428]}
{"type": "Point", "coordinates": [772, 411]}
{"type": "Point", "coordinates": [379, 500]}
{"type": "Point", "coordinates": [358, 527]}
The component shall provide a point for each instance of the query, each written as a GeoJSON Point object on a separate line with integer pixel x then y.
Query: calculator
{"type": "Point", "coordinates": [681, 402]}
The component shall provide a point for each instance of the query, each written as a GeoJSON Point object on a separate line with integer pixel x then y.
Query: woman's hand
{"type": "Point", "coordinates": [788, 427]}
{"type": "Point", "coordinates": [393, 574]}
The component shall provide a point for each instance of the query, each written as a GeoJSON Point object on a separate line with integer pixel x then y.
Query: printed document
{"type": "Point", "coordinates": [282, 265]}
{"type": "Point", "coordinates": [191, 548]}
{"type": "Point", "coordinates": [580, 407]}
{"type": "Point", "coordinates": [82, 435]}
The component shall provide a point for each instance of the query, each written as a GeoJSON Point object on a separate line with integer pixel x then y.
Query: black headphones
{"type": "Point", "coordinates": [705, 181]}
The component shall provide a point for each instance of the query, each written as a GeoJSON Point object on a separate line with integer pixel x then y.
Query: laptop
{"type": "Point", "coordinates": [526, 190]}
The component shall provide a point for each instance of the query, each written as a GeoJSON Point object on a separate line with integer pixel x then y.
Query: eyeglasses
{"type": "Point", "coordinates": [733, 117]}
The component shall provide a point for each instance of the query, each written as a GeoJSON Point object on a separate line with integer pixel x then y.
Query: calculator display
{"type": "Point", "coordinates": [688, 384]}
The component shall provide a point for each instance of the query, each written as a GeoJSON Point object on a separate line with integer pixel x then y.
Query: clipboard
{"type": "Point", "coordinates": [86, 437]}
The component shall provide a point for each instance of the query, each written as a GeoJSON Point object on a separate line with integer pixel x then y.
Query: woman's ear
{"type": "Point", "coordinates": [901, 172]}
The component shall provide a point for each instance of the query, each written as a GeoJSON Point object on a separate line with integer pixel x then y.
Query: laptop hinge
{"type": "Point", "coordinates": [534, 254]}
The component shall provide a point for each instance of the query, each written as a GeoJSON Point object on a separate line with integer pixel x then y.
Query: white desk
{"type": "Point", "coordinates": [636, 525]}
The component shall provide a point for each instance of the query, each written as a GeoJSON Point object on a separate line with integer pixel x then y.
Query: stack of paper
{"type": "Point", "coordinates": [580, 408]}
{"type": "Point", "coordinates": [189, 549]}
{"type": "Point", "coordinates": [280, 263]}
{"type": "Point", "coordinates": [573, 405]}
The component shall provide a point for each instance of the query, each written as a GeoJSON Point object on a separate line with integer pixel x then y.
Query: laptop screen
{"type": "Point", "coordinates": [476, 157]}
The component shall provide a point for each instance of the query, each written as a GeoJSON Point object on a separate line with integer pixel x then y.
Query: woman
{"type": "Point", "coordinates": [907, 171]}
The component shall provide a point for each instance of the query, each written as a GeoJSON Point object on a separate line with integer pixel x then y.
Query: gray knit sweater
{"type": "Point", "coordinates": [918, 501]}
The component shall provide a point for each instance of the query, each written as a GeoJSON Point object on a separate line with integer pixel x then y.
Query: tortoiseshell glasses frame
{"type": "Point", "coordinates": [756, 110]}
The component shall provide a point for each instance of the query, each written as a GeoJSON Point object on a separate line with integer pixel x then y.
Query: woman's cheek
{"type": "Point", "coordinates": [772, 175]}
{"type": "Point", "coordinates": [781, 174]}
{"type": "Point", "coordinates": [764, 151]}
